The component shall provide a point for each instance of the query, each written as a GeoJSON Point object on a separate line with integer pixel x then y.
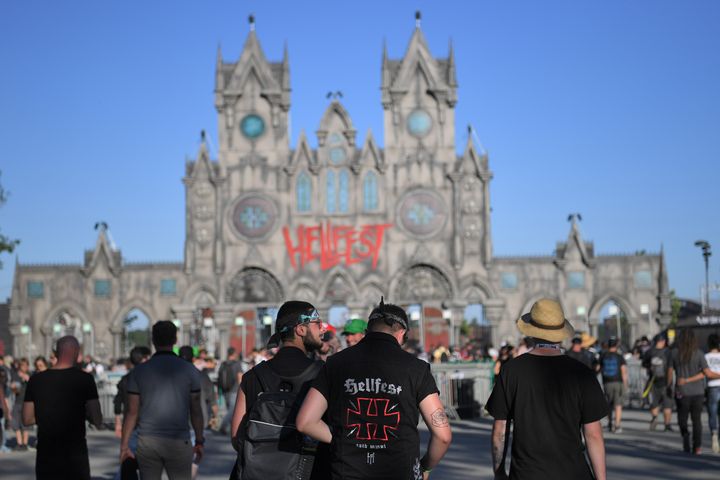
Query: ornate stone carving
{"type": "Point", "coordinates": [254, 285]}
{"type": "Point", "coordinates": [424, 282]}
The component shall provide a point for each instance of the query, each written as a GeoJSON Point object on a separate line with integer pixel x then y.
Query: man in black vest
{"type": "Point", "coordinates": [372, 395]}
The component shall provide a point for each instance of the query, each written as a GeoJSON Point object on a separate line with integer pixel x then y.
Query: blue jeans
{"type": "Point", "coordinates": [713, 405]}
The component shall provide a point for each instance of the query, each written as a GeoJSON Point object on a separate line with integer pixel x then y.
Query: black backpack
{"type": "Point", "coordinates": [271, 448]}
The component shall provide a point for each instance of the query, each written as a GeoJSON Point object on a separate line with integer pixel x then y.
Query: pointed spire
{"type": "Point", "coordinates": [286, 68]}
{"type": "Point", "coordinates": [385, 67]}
{"type": "Point", "coordinates": [219, 77]}
{"type": "Point", "coordinates": [451, 75]}
{"type": "Point", "coordinates": [662, 273]}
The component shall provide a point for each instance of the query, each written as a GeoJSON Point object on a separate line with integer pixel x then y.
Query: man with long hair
{"type": "Point", "coordinates": [690, 366]}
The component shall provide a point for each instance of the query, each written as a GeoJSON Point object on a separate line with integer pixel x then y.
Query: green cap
{"type": "Point", "coordinates": [354, 325]}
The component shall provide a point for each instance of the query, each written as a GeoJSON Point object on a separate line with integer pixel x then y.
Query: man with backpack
{"type": "Point", "coordinates": [657, 361]}
{"type": "Point", "coordinates": [270, 394]}
{"type": "Point", "coordinates": [615, 383]}
{"type": "Point", "coordinates": [229, 375]}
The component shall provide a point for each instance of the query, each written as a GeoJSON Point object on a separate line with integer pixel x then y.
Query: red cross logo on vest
{"type": "Point", "coordinates": [372, 419]}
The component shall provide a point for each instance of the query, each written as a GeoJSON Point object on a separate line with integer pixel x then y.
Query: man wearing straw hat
{"type": "Point", "coordinates": [550, 398]}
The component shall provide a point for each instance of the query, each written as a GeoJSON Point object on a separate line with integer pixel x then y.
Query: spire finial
{"type": "Point", "coordinates": [251, 21]}
{"type": "Point", "coordinates": [418, 17]}
{"type": "Point", "coordinates": [202, 135]}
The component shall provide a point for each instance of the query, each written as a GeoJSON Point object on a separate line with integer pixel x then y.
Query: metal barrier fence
{"type": "Point", "coordinates": [637, 382]}
{"type": "Point", "coordinates": [107, 388]}
{"type": "Point", "coordinates": [464, 387]}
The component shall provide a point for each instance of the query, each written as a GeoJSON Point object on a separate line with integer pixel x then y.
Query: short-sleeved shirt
{"type": "Point", "coordinates": [583, 356]}
{"type": "Point", "coordinates": [59, 397]}
{"type": "Point", "coordinates": [164, 383]}
{"type": "Point", "coordinates": [657, 361]}
{"type": "Point", "coordinates": [611, 366]}
{"type": "Point", "coordinates": [684, 370]}
{"type": "Point", "coordinates": [288, 362]}
{"type": "Point", "coordinates": [713, 361]}
{"type": "Point", "coordinates": [373, 391]}
{"type": "Point", "coordinates": [547, 398]}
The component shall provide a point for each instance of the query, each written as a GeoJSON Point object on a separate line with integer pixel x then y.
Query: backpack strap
{"type": "Point", "coordinates": [269, 380]}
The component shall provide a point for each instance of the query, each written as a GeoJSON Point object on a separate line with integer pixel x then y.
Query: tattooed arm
{"type": "Point", "coordinates": [435, 418]}
{"type": "Point", "coordinates": [498, 448]}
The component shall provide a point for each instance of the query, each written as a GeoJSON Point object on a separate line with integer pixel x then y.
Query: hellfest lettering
{"type": "Point", "coordinates": [335, 244]}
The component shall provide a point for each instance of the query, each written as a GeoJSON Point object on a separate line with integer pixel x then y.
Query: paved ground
{"type": "Point", "coordinates": [636, 454]}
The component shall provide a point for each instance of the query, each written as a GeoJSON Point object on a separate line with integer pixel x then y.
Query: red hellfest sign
{"type": "Point", "coordinates": [335, 244]}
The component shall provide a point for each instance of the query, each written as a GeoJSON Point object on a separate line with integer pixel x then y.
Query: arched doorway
{"type": "Point", "coordinates": [613, 322]}
{"type": "Point", "coordinates": [136, 330]}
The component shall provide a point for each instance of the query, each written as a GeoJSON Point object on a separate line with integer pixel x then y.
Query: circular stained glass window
{"type": "Point", "coordinates": [254, 216]}
{"type": "Point", "coordinates": [419, 123]}
{"type": "Point", "coordinates": [337, 155]}
{"type": "Point", "coordinates": [422, 213]}
{"type": "Point", "coordinates": [252, 126]}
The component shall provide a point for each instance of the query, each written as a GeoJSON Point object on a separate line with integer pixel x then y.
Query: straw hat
{"type": "Point", "coordinates": [547, 321]}
{"type": "Point", "coordinates": [587, 340]}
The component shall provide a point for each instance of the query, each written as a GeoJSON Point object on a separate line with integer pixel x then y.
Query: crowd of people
{"type": "Point", "coordinates": [317, 403]}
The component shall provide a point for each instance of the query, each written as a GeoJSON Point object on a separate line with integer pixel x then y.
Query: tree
{"type": "Point", "coordinates": [6, 243]}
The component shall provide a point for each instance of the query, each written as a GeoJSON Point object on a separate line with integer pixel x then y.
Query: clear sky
{"type": "Point", "coordinates": [608, 108]}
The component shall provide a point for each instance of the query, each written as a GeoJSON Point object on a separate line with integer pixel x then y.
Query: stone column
{"type": "Point", "coordinates": [494, 309]}
{"type": "Point", "coordinates": [185, 314]}
{"type": "Point", "coordinates": [116, 339]}
{"type": "Point", "coordinates": [457, 310]}
{"type": "Point", "coordinates": [224, 317]}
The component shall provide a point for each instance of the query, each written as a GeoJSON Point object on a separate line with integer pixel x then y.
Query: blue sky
{"type": "Point", "coordinates": [609, 108]}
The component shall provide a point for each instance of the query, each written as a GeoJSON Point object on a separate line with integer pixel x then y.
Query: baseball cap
{"type": "Point", "coordinates": [576, 340]}
{"type": "Point", "coordinates": [612, 342]}
{"type": "Point", "coordinates": [291, 313]}
{"type": "Point", "coordinates": [354, 325]}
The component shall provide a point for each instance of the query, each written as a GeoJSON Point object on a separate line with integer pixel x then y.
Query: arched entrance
{"type": "Point", "coordinates": [612, 321]}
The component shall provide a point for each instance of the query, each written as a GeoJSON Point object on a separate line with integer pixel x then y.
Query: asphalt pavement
{"type": "Point", "coordinates": [635, 454]}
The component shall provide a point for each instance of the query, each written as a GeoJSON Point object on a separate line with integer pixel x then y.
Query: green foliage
{"type": "Point", "coordinates": [675, 305]}
{"type": "Point", "coordinates": [6, 243]}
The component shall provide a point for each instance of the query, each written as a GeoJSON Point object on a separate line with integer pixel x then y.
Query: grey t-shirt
{"type": "Point", "coordinates": [164, 384]}
{"type": "Point", "coordinates": [685, 370]}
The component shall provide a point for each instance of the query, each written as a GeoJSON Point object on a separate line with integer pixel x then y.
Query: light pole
{"type": "Point", "coordinates": [705, 246]}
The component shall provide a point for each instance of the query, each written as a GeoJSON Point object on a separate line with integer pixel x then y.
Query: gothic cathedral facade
{"type": "Point", "coordinates": [339, 224]}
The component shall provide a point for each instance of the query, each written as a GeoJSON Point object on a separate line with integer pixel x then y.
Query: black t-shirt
{"type": "Point", "coordinates": [583, 356]}
{"type": "Point", "coordinates": [373, 392]}
{"type": "Point", "coordinates": [657, 361]}
{"type": "Point", "coordinates": [611, 365]}
{"type": "Point", "coordinates": [59, 397]}
{"type": "Point", "coordinates": [548, 399]}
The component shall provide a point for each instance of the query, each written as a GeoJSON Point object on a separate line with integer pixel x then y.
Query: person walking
{"type": "Point", "coordinates": [657, 360]}
{"type": "Point", "coordinates": [615, 383]}
{"type": "Point", "coordinates": [549, 398]}
{"type": "Point", "coordinates": [298, 331]}
{"type": "Point", "coordinates": [162, 393]}
{"type": "Point", "coordinates": [366, 403]}
{"type": "Point", "coordinates": [19, 381]}
{"type": "Point", "coordinates": [229, 377]}
{"type": "Point", "coordinates": [128, 469]}
{"type": "Point", "coordinates": [713, 389]}
{"type": "Point", "coordinates": [690, 367]}
{"type": "Point", "coordinates": [580, 354]}
{"type": "Point", "coordinates": [59, 400]}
